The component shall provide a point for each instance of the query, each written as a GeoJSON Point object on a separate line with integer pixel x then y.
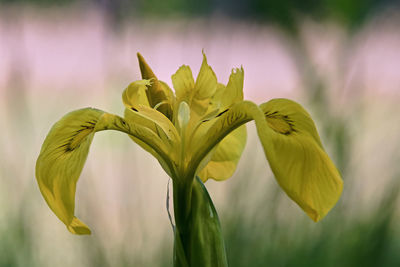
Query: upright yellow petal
{"type": "Point", "coordinates": [234, 89]}
{"type": "Point", "coordinates": [157, 92]}
{"type": "Point", "coordinates": [204, 88]}
{"type": "Point", "coordinates": [227, 152]}
{"type": "Point", "coordinates": [216, 100]}
{"type": "Point", "coordinates": [197, 94]}
{"type": "Point", "coordinates": [206, 82]}
{"type": "Point", "coordinates": [183, 83]}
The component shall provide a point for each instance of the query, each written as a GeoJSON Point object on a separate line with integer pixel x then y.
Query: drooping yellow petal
{"type": "Point", "coordinates": [60, 163]}
{"type": "Point", "coordinates": [64, 153]}
{"type": "Point", "coordinates": [298, 160]}
{"type": "Point", "coordinates": [284, 116]}
{"type": "Point", "coordinates": [292, 147]}
{"type": "Point", "coordinates": [157, 92]}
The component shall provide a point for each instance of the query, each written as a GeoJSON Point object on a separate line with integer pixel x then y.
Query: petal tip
{"type": "Point", "coordinates": [77, 227]}
{"type": "Point", "coordinates": [145, 69]}
{"type": "Point", "coordinates": [204, 57]}
{"type": "Point", "coordinates": [314, 216]}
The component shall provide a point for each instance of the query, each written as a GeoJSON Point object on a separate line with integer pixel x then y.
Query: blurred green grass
{"type": "Point", "coordinates": [342, 239]}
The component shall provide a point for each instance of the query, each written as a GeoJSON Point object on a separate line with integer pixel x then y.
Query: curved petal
{"type": "Point", "coordinates": [141, 112]}
{"type": "Point", "coordinates": [292, 147]}
{"type": "Point", "coordinates": [133, 117]}
{"type": "Point", "coordinates": [64, 153]}
{"type": "Point", "coordinates": [298, 160]}
{"type": "Point", "coordinates": [135, 94]}
{"type": "Point", "coordinates": [204, 141]}
{"type": "Point", "coordinates": [286, 116]}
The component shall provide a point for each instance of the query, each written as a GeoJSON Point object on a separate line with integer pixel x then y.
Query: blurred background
{"type": "Point", "coordinates": [340, 59]}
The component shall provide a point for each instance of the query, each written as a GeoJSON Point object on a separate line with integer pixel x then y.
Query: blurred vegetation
{"type": "Point", "coordinates": [254, 233]}
{"type": "Point", "coordinates": [282, 12]}
{"type": "Point", "coordinates": [262, 240]}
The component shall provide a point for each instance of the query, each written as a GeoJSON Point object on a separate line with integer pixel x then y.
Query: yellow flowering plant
{"type": "Point", "coordinates": [197, 133]}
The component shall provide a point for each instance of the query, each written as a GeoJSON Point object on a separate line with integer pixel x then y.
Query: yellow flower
{"type": "Point", "coordinates": [198, 131]}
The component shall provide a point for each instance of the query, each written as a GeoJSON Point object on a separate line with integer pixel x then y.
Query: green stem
{"type": "Point", "coordinates": [198, 237]}
{"type": "Point", "coordinates": [182, 195]}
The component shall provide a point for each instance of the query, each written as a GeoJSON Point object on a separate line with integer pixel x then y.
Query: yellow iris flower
{"type": "Point", "coordinates": [197, 132]}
